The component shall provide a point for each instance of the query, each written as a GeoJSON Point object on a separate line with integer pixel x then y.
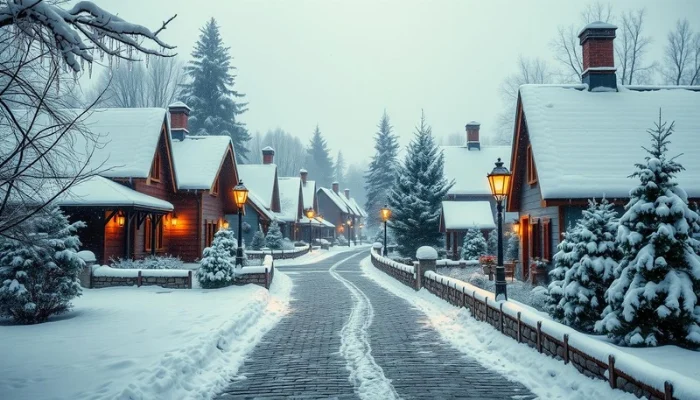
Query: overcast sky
{"type": "Point", "coordinates": [340, 64]}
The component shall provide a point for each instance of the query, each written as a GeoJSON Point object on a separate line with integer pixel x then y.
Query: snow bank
{"type": "Point", "coordinates": [426, 253]}
{"type": "Point", "coordinates": [388, 261]}
{"type": "Point", "coordinates": [133, 273]}
{"type": "Point", "coordinates": [149, 343]}
{"type": "Point", "coordinates": [318, 255]}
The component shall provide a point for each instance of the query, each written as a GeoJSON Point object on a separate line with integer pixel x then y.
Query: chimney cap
{"type": "Point", "coordinates": [303, 171]}
{"type": "Point", "coordinates": [346, 190]}
{"type": "Point", "coordinates": [473, 124]}
{"type": "Point", "coordinates": [268, 150]}
{"type": "Point", "coordinates": [335, 183]}
{"type": "Point", "coordinates": [598, 30]}
{"type": "Point", "coordinates": [179, 104]}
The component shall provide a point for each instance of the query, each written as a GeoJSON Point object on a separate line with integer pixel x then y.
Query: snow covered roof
{"type": "Point", "coordinates": [469, 168]}
{"type": "Point", "coordinates": [598, 25]}
{"type": "Point", "coordinates": [585, 144]}
{"type": "Point", "coordinates": [305, 220]}
{"type": "Point", "coordinates": [197, 160]}
{"type": "Point", "coordinates": [259, 204]}
{"type": "Point", "coordinates": [259, 179]}
{"type": "Point", "coordinates": [325, 223]}
{"type": "Point", "coordinates": [463, 215]}
{"type": "Point", "coordinates": [99, 191]}
{"type": "Point", "coordinates": [308, 191]}
{"type": "Point", "coordinates": [289, 188]}
{"type": "Point", "coordinates": [179, 104]}
{"type": "Point", "coordinates": [336, 199]}
{"type": "Point", "coordinates": [361, 212]}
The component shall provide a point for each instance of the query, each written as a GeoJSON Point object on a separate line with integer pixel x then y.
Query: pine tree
{"type": "Point", "coordinates": [274, 236]}
{"type": "Point", "coordinates": [592, 272]}
{"type": "Point", "coordinates": [340, 168]}
{"type": "Point", "coordinates": [563, 259]}
{"type": "Point", "coordinates": [40, 274]}
{"type": "Point", "coordinates": [416, 197]}
{"type": "Point", "coordinates": [319, 162]}
{"type": "Point", "coordinates": [217, 268]}
{"type": "Point", "coordinates": [382, 170]}
{"type": "Point", "coordinates": [474, 245]}
{"type": "Point", "coordinates": [210, 93]}
{"type": "Point", "coordinates": [492, 243]}
{"type": "Point", "coordinates": [258, 241]}
{"type": "Point", "coordinates": [513, 249]}
{"type": "Point", "coordinates": [653, 301]}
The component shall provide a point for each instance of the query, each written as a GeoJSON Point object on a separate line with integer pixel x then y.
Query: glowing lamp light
{"type": "Point", "coordinates": [173, 219]}
{"type": "Point", "coordinates": [341, 229]}
{"type": "Point", "coordinates": [225, 224]}
{"type": "Point", "coordinates": [499, 180]}
{"type": "Point", "coordinates": [516, 227]}
{"type": "Point", "coordinates": [349, 222]}
{"type": "Point", "coordinates": [121, 219]}
{"type": "Point", "coordinates": [385, 213]}
{"type": "Point", "coordinates": [240, 194]}
{"type": "Point", "coordinates": [310, 213]}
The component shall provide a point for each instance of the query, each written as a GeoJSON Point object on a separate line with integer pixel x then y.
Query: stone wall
{"type": "Point", "coordinates": [278, 254]}
{"type": "Point", "coordinates": [263, 279]}
{"type": "Point", "coordinates": [491, 312]}
{"type": "Point", "coordinates": [114, 277]}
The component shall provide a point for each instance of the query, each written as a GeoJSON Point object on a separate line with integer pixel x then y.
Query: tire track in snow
{"type": "Point", "coordinates": [365, 374]}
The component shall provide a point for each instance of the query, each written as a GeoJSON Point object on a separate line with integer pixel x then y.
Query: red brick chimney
{"type": "Point", "coordinates": [268, 155]}
{"type": "Point", "coordinates": [303, 173]}
{"type": "Point", "coordinates": [598, 51]}
{"type": "Point", "coordinates": [473, 135]}
{"type": "Point", "coordinates": [335, 187]}
{"type": "Point", "coordinates": [179, 113]}
{"type": "Point", "coordinates": [347, 194]}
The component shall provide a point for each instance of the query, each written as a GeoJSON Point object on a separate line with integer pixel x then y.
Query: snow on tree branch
{"type": "Point", "coordinates": [75, 34]}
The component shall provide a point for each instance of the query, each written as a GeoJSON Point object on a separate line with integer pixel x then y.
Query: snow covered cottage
{"type": "Point", "coordinates": [339, 209]}
{"type": "Point", "coordinates": [469, 203]}
{"type": "Point", "coordinates": [576, 142]}
{"type": "Point", "coordinates": [291, 206]}
{"type": "Point", "coordinates": [263, 204]}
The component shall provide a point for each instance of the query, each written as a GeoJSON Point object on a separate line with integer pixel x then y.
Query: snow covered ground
{"type": "Point", "coordinates": [545, 377]}
{"type": "Point", "coordinates": [140, 343]}
{"type": "Point", "coordinates": [319, 255]}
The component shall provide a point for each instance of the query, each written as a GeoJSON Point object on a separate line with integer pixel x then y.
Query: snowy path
{"type": "Point", "coordinates": [347, 337]}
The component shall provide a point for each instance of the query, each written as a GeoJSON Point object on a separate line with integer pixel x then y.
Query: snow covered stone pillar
{"type": "Point", "coordinates": [86, 274]}
{"type": "Point", "coordinates": [426, 256]}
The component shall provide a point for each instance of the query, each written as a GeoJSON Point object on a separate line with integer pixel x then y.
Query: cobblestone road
{"type": "Point", "coordinates": [301, 357]}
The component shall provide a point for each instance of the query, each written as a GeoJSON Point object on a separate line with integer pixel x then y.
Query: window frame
{"type": "Point", "coordinates": [547, 240]}
{"type": "Point", "coordinates": [154, 174]}
{"type": "Point", "coordinates": [530, 166]}
{"type": "Point", "coordinates": [215, 189]}
{"type": "Point", "coordinates": [147, 235]}
{"type": "Point", "coordinates": [210, 228]}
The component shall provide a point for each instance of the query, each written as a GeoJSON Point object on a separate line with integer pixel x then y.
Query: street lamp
{"type": "Point", "coordinates": [349, 228]}
{"type": "Point", "coordinates": [310, 215]}
{"type": "Point", "coordinates": [361, 226]}
{"type": "Point", "coordinates": [385, 213]}
{"type": "Point", "coordinates": [240, 196]}
{"type": "Point", "coordinates": [499, 180]}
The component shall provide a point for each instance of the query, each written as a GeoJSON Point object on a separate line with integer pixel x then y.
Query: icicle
{"type": "Point", "coordinates": [90, 70]}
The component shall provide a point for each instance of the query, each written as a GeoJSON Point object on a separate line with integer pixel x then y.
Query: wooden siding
{"type": "Point", "coordinates": [186, 238]}
{"type": "Point", "coordinates": [330, 211]}
{"type": "Point", "coordinates": [114, 237]}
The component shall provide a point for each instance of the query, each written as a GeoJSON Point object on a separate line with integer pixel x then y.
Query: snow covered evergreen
{"type": "Point", "coordinates": [654, 299]}
{"type": "Point", "coordinates": [258, 241]}
{"type": "Point", "coordinates": [594, 256]}
{"type": "Point", "coordinates": [217, 268]}
{"type": "Point", "coordinates": [564, 259]}
{"type": "Point", "coordinates": [474, 245]}
{"type": "Point", "coordinates": [512, 247]}
{"type": "Point", "coordinates": [417, 194]}
{"type": "Point", "coordinates": [39, 274]}
{"type": "Point", "coordinates": [274, 236]}
{"type": "Point", "coordinates": [210, 92]}
{"type": "Point", "coordinates": [492, 243]}
{"type": "Point", "coordinates": [381, 173]}
{"type": "Point", "coordinates": [319, 162]}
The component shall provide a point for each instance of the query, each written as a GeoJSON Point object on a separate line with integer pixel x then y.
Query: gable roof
{"type": "Point", "coordinates": [198, 159]}
{"type": "Point", "coordinates": [260, 179]}
{"type": "Point", "coordinates": [360, 211]}
{"type": "Point", "coordinates": [463, 215]}
{"type": "Point", "coordinates": [290, 198]}
{"type": "Point", "coordinates": [585, 144]}
{"type": "Point", "coordinates": [259, 205]}
{"type": "Point", "coordinates": [469, 168]}
{"type": "Point", "coordinates": [103, 192]}
{"type": "Point", "coordinates": [308, 191]}
{"type": "Point", "coordinates": [336, 199]}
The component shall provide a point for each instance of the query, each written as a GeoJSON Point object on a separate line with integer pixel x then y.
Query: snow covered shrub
{"type": "Point", "coordinates": [341, 241]}
{"type": "Point", "coordinates": [596, 255]}
{"type": "Point", "coordinates": [258, 241]}
{"type": "Point", "coordinates": [474, 245]}
{"type": "Point", "coordinates": [40, 274]}
{"type": "Point", "coordinates": [653, 301]}
{"type": "Point", "coordinates": [217, 268]}
{"type": "Point", "coordinates": [274, 236]}
{"type": "Point", "coordinates": [492, 243]}
{"type": "Point", "coordinates": [287, 244]}
{"type": "Point", "coordinates": [564, 259]}
{"type": "Point", "coordinates": [513, 247]}
{"type": "Point", "coordinates": [165, 261]}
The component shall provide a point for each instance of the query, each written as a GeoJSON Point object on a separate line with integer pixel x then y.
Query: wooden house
{"type": "Point", "coordinates": [263, 204]}
{"type": "Point", "coordinates": [577, 142]}
{"type": "Point", "coordinates": [341, 210]}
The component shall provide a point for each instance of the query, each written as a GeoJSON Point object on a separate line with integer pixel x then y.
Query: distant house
{"type": "Point", "coordinates": [157, 195]}
{"type": "Point", "coordinates": [263, 205]}
{"type": "Point", "coordinates": [576, 142]}
{"type": "Point", "coordinates": [341, 210]}
{"type": "Point", "coordinates": [469, 203]}
{"type": "Point", "coordinates": [291, 206]}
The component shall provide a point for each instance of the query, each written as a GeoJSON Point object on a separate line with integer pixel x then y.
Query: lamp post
{"type": "Point", "coordinates": [385, 213]}
{"type": "Point", "coordinates": [240, 196]}
{"type": "Point", "coordinates": [361, 226]}
{"type": "Point", "coordinates": [499, 181]}
{"type": "Point", "coordinates": [310, 215]}
{"type": "Point", "coordinates": [349, 228]}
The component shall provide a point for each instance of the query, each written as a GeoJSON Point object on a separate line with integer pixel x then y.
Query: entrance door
{"type": "Point", "coordinates": [525, 232]}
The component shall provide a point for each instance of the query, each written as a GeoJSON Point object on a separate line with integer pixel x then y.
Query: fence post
{"type": "Point", "coordinates": [668, 390]}
{"type": "Point", "coordinates": [611, 371]}
{"type": "Point", "coordinates": [267, 279]}
{"type": "Point", "coordinates": [501, 316]}
{"type": "Point", "coordinates": [486, 309]}
{"type": "Point", "coordinates": [474, 306]}
{"type": "Point", "coordinates": [539, 336]}
{"type": "Point", "coordinates": [419, 276]}
{"type": "Point", "coordinates": [138, 279]}
{"type": "Point", "coordinates": [464, 297]}
{"type": "Point", "coordinates": [189, 279]}
{"type": "Point", "coordinates": [566, 348]}
{"type": "Point", "coordinates": [519, 329]}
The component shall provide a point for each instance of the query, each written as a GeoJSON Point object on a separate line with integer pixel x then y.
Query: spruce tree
{"type": "Point", "coordinates": [274, 236]}
{"type": "Point", "coordinates": [258, 241]}
{"type": "Point", "coordinates": [564, 259]}
{"type": "Point", "coordinates": [382, 170]}
{"type": "Point", "coordinates": [592, 271]}
{"type": "Point", "coordinates": [474, 245]}
{"type": "Point", "coordinates": [492, 243]}
{"type": "Point", "coordinates": [211, 94]}
{"type": "Point", "coordinates": [513, 247]}
{"type": "Point", "coordinates": [217, 268]}
{"type": "Point", "coordinates": [319, 162]}
{"type": "Point", "coordinates": [653, 301]}
{"type": "Point", "coordinates": [39, 275]}
{"type": "Point", "coordinates": [339, 168]}
{"type": "Point", "coordinates": [416, 197]}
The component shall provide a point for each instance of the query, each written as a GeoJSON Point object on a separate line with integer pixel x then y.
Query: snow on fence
{"type": "Point", "coordinates": [258, 275]}
{"type": "Point", "coordinates": [589, 356]}
{"type": "Point", "coordinates": [278, 254]}
{"type": "Point", "coordinates": [460, 263]}
{"type": "Point", "coordinates": [104, 276]}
